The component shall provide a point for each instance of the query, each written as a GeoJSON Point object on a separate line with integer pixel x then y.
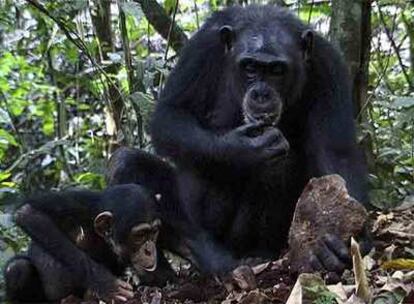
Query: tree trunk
{"type": "Point", "coordinates": [101, 19]}
{"type": "Point", "coordinates": [350, 31]}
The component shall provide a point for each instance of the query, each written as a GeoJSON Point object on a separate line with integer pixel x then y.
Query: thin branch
{"type": "Point", "coordinates": [310, 11]}
{"type": "Point", "coordinates": [196, 13]}
{"type": "Point", "coordinates": [170, 30]}
{"type": "Point", "coordinates": [77, 42]}
{"type": "Point", "coordinates": [133, 83]}
{"type": "Point", "coordinates": [395, 48]}
{"type": "Point", "coordinates": [167, 48]}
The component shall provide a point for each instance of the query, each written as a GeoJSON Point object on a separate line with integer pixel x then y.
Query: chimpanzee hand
{"type": "Point", "coordinates": [330, 254]}
{"type": "Point", "coordinates": [250, 147]}
{"type": "Point", "coordinates": [121, 292]}
{"type": "Point", "coordinates": [240, 278]}
{"type": "Point", "coordinates": [102, 284]}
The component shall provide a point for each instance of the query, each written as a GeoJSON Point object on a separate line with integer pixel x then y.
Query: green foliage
{"type": "Point", "coordinates": [393, 132]}
{"type": "Point", "coordinates": [57, 95]}
{"type": "Point", "coordinates": [321, 294]}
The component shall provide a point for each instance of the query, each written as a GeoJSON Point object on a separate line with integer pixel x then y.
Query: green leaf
{"type": "Point", "coordinates": [93, 180]}
{"type": "Point", "coordinates": [169, 5]}
{"type": "Point", "coordinates": [4, 117]}
{"type": "Point", "coordinates": [7, 138]}
{"type": "Point", "coordinates": [404, 102]}
{"type": "Point", "coordinates": [4, 175]}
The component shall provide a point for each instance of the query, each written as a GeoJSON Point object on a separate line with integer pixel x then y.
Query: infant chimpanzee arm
{"type": "Point", "coordinates": [49, 221]}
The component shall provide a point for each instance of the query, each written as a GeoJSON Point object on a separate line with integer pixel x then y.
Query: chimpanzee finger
{"type": "Point", "coordinates": [272, 135]}
{"type": "Point", "coordinates": [314, 262]}
{"type": "Point", "coordinates": [273, 154]}
{"type": "Point", "coordinates": [337, 246]}
{"type": "Point", "coordinates": [328, 258]}
{"type": "Point", "coordinates": [249, 127]}
{"type": "Point", "coordinates": [124, 285]}
{"type": "Point", "coordinates": [120, 298]}
{"type": "Point", "coordinates": [124, 290]}
{"type": "Point", "coordinates": [267, 139]}
{"type": "Point", "coordinates": [125, 293]}
{"type": "Point", "coordinates": [280, 149]}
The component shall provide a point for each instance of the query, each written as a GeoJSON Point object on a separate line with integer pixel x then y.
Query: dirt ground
{"type": "Point", "coordinates": [389, 268]}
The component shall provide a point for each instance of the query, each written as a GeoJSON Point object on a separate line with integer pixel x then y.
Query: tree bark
{"type": "Point", "coordinates": [161, 22]}
{"type": "Point", "coordinates": [350, 31]}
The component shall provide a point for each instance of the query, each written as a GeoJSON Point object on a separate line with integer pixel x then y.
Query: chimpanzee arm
{"type": "Point", "coordinates": [39, 226]}
{"type": "Point", "coordinates": [196, 90]}
{"type": "Point", "coordinates": [178, 134]}
{"type": "Point", "coordinates": [209, 255]}
{"type": "Point", "coordinates": [330, 140]}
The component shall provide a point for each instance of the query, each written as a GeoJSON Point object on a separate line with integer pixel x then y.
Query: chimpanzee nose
{"type": "Point", "coordinates": [261, 93]}
{"type": "Point", "coordinates": [255, 94]}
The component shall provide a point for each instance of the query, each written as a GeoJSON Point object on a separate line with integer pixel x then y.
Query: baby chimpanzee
{"type": "Point", "coordinates": [81, 242]}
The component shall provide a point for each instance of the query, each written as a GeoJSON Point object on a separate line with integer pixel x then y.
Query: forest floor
{"type": "Point", "coordinates": [389, 268]}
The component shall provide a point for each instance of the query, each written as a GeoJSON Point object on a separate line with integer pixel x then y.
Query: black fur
{"type": "Point", "coordinates": [240, 197]}
{"type": "Point", "coordinates": [178, 233]}
{"type": "Point", "coordinates": [57, 264]}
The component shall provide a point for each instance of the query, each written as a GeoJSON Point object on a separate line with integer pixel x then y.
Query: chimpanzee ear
{"type": "Point", "coordinates": [307, 44]}
{"type": "Point", "coordinates": [103, 223]}
{"type": "Point", "coordinates": [227, 36]}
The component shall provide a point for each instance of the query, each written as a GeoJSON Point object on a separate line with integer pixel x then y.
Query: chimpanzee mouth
{"type": "Point", "coordinates": [268, 118]}
{"type": "Point", "coordinates": [152, 268]}
{"type": "Point", "coordinates": [144, 268]}
{"type": "Point", "coordinates": [145, 264]}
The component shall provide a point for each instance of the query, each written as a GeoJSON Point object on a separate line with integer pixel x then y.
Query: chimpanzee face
{"type": "Point", "coordinates": [269, 73]}
{"type": "Point", "coordinates": [130, 225]}
{"type": "Point", "coordinates": [263, 82]}
{"type": "Point", "coordinates": [138, 247]}
{"type": "Point", "coordinates": [141, 246]}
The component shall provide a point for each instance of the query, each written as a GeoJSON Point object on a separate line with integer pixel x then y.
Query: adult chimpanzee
{"type": "Point", "coordinates": [178, 234]}
{"type": "Point", "coordinates": [239, 184]}
{"type": "Point", "coordinates": [81, 242]}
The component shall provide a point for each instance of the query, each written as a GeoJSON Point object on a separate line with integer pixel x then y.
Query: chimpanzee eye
{"type": "Point", "coordinates": [278, 69]}
{"type": "Point", "coordinates": [250, 69]}
{"type": "Point", "coordinates": [139, 236]}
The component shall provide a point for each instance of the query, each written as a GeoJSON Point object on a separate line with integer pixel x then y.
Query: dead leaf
{"type": "Point", "coordinates": [340, 291]}
{"type": "Point", "coordinates": [354, 300]}
{"type": "Point", "coordinates": [255, 297]}
{"type": "Point", "coordinates": [400, 264]}
{"type": "Point", "coordinates": [260, 268]}
{"type": "Point", "coordinates": [361, 280]}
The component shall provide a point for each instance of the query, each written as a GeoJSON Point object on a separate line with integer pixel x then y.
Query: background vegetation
{"type": "Point", "coordinates": [79, 78]}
